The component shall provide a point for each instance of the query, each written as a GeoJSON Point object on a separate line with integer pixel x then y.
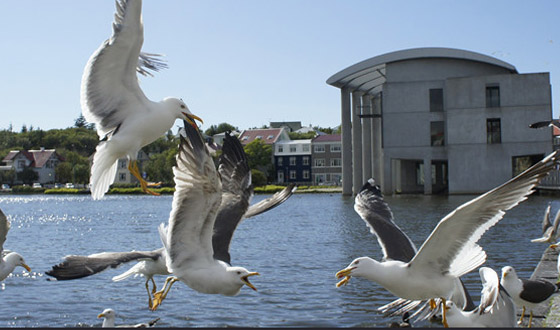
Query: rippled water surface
{"type": "Point", "coordinates": [297, 247]}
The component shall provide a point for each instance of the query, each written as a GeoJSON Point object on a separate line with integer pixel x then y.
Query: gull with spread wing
{"type": "Point", "coordinates": [451, 250]}
{"type": "Point", "coordinates": [111, 98]}
{"type": "Point", "coordinates": [8, 259]}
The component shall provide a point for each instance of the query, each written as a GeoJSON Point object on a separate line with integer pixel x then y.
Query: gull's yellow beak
{"type": "Point", "coordinates": [553, 246]}
{"type": "Point", "coordinates": [190, 118]}
{"type": "Point", "coordinates": [100, 315]}
{"type": "Point", "coordinates": [346, 274]}
{"type": "Point", "coordinates": [26, 267]}
{"type": "Point", "coordinates": [245, 280]}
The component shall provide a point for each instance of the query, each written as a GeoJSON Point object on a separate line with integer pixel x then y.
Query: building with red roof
{"type": "Point", "coordinates": [43, 162]}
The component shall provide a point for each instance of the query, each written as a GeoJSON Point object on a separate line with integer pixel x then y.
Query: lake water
{"type": "Point", "coordinates": [297, 247]}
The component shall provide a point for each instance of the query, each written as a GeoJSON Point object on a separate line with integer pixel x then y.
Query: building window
{"type": "Point", "coordinates": [521, 163]}
{"type": "Point", "coordinates": [293, 175]}
{"type": "Point", "coordinates": [292, 148]}
{"type": "Point", "coordinates": [292, 161]}
{"type": "Point", "coordinates": [437, 133]}
{"type": "Point", "coordinates": [492, 96]}
{"type": "Point", "coordinates": [122, 177]}
{"type": "Point", "coordinates": [305, 160]}
{"type": "Point", "coordinates": [420, 173]}
{"type": "Point", "coordinates": [319, 148]}
{"type": "Point", "coordinates": [306, 174]}
{"type": "Point", "coordinates": [436, 100]}
{"type": "Point", "coordinates": [335, 162]}
{"type": "Point", "coordinates": [335, 147]}
{"type": "Point", "coordinates": [280, 149]}
{"type": "Point", "coordinates": [122, 163]}
{"type": "Point", "coordinates": [280, 161]}
{"type": "Point", "coordinates": [245, 138]}
{"type": "Point", "coordinates": [305, 147]}
{"type": "Point", "coordinates": [493, 131]}
{"type": "Point", "coordinates": [270, 137]}
{"type": "Point", "coordinates": [258, 137]}
{"type": "Point", "coordinates": [319, 178]}
{"type": "Point", "coordinates": [319, 162]}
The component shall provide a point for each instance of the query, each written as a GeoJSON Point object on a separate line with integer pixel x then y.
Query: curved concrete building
{"type": "Point", "coordinates": [439, 120]}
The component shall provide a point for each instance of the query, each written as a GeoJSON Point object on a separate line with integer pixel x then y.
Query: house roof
{"type": "Point", "coordinates": [267, 135]}
{"type": "Point", "coordinates": [38, 158]}
{"type": "Point", "coordinates": [328, 138]}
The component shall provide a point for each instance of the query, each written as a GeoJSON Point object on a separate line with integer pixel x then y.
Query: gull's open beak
{"type": "Point", "coordinates": [100, 315]}
{"type": "Point", "coordinates": [26, 267]}
{"type": "Point", "coordinates": [245, 280]}
{"type": "Point", "coordinates": [346, 274]}
{"type": "Point", "coordinates": [553, 246]}
{"type": "Point", "coordinates": [190, 118]}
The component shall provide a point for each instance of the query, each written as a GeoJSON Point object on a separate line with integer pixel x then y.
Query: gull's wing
{"type": "Point", "coordinates": [237, 192]}
{"type": "Point", "coordinates": [75, 266]}
{"type": "Point", "coordinates": [197, 197]}
{"type": "Point", "coordinates": [545, 123]}
{"type": "Point", "coordinates": [451, 247]}
{"type": "Point", "coordinates": [496, 306]}
{"type": "Point", "coordinates": [371, 207]}
{"type": "Point", "coordinates": [4, 227]}
{"type": "Point", "coordinates": [271, 202]}
{"type": "Point", "coordinates": [110, 75]}
{"type": "Point", "coordinates": [547, 228]}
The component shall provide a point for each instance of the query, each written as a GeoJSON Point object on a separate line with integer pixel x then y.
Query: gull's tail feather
{"type": "Point", "coordinates": [103, 171]}
{"type": "Point", "coordinates": [134, 270]}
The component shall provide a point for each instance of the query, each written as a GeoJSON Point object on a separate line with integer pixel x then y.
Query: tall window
{"type": "Point", "coordinates": [492, 96]}
{"type": "Point", "coordinates": [521, 163]}
{"type": "Point", "coordinates": [436, 100]}
{"type": "Point", "coordinates": [305, 160]}
{"type": "Point", "coordinates": [306, 174]}
{"type": "Point", "coordinates": [319, 162]}
{"type": "Point", "coordinates": [437, 133]}
{"type": "Point", "coordinates": [280, 161]}
{"type": "Point", "coordinates": [280, 148]}
{"type": "Point", "coordinates": [293, 175]}
{"type": "Point", "coordinates": [335, 162]}
{"type": "Point", "coordinates": [292, 161]}
{"type": "Point", "coordinates": [493, 131]}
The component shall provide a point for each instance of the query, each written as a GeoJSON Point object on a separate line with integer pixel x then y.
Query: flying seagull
{"type": "Point", "coordinates": [527, 293]}
{"type": "Point", "coordinates": [126, 120]}
{"type": "Point", "coordinates": [496, 308]}
{"type": "Point", "coordinates": [451, 250]}
{"type": "Point", "coordinates": [188, 235]}
{"type": "Point", "coordinates": [8, 259]}
{"type": "Point", "coordinates": [549, 229]}
{"type": "Point", "coordinates": [108, 316]}
{"type": "Point", "coordinates": [545, 123]}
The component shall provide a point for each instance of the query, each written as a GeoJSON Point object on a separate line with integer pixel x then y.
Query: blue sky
{"type": "Point", "coordinates": [249, 62]}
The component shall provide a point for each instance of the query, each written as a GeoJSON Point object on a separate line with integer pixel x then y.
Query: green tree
{"type": "Point", "coordinates": [301, 136]}
{"type": "Point", "coordinates": [63, 172]}
{"type": "Point", "coordinates": [159, 167]}
{"type": "Point", "coordinates": [259, 156]}
{"type": "Point", "coordinates": [258, 178]}
{"type": "Point", "coordinates": [223, 127]}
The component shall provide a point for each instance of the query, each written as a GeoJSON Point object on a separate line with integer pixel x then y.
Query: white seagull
{"type": "Point", "coordinates": [126, 120]}
{"type": "Point", "coordinates": [496, 308]}
{"type": "Point", "coordinates": [527, 293]}
{"type": "Point", "coordinates": [191, 255]}
{"type": "Point", "coordinates": [108, 316]}
{"type": "Point", "coordinates": [8, 259]}
{"type": "Point", "coordinates": [549, 229]}
{"type": "Point", "coordinates": [451, 250]}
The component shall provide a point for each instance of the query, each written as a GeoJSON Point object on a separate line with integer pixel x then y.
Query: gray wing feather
{"type": "Point", "coordinates": [75, 266]}
{"type": "Point", "coordinates": [237, 192]}
{"type": "Point", "coordinates": [271, 202]}
{"type": "Point", "coordinates": [4, 228]}
{"type": "Point", "coordinates": [371, 207]}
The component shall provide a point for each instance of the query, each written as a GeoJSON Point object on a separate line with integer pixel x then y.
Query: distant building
{"type": "Point", "coordinates": [43, 162]}
{"type": "Point", "coordinates": [327, 160]}
{"type": "Point", "coordinates": [290, 126]}
{"type": "Point", "coordinates": [440, 120]}
{"type": "Point", "coordinates": [267, 135]}
{"type": "Point", "coordinates": [292, 160]}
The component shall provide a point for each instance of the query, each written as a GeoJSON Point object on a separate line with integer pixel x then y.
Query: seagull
{"type": "Point", "coordinates": [108, 316]}
{"type": "Point", "coordinates": [549, 230]}
{"type": "Point", "coordinates": [8, 259]}
{"type": "Point", "coordinates": [496, 308]}
{"type": "Point", "coordinates": [150, 263]}
{"type": "Point", "coordinates": [111, 98]}
{"type": "Point", "coordinates": [451, 250]}
{"type": "Point", "coordinates": [193, 255]}
{"type": "Point", "coordinates": [527, 293]}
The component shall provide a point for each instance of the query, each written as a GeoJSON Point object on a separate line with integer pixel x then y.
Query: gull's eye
{"type": "Point", "coordinates": [357, 262]}
{"type": "Point", "coordinates": [238, 273]}
{"type": "Point", "coordinates": [182, 106]}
